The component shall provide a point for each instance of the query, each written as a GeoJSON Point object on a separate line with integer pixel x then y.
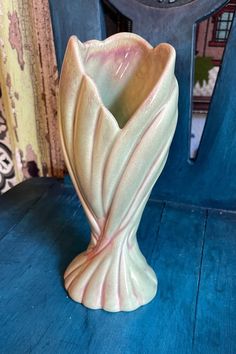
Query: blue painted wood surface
{"type": "Point", "coordinates": [9, 209]}
{"type": "Point", "coordinates": [208, 181]}
{"type": "Point", "coordinates": [191, 249]}
{"type": "Point", "coordinates": [75, 17]}
{"type": "Point", "coordinates": [216, 307]}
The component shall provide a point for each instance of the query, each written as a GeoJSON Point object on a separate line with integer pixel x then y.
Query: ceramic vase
{"type": "Point", "coordinates": [118, 112]}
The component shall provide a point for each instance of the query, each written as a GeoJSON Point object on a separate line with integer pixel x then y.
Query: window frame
{"type": "Point", "coordinates": [215, 19]}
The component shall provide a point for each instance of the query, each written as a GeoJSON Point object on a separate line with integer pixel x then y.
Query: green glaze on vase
{"type": "Point", "coordinates": [118, 112]}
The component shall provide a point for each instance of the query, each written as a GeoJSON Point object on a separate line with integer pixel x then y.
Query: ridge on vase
{"type": "Point", "coordinates": [118, 112]}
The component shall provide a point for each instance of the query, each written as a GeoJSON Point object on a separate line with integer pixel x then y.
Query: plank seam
{"type": "Point", "coordinates": [192, 206]}
{"type": "Point", "coordinates": [159, 226]}
{"type": "Point", "coordinates": [199, 278]}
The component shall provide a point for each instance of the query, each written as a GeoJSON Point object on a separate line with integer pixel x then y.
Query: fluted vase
{"type": "Point", "coordinates": [118, 112]}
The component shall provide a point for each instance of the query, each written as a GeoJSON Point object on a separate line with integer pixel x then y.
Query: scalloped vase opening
{"type": "Point", "coordinates": [118, 112]}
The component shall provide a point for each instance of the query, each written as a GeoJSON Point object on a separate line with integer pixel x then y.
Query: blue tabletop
{"type": "Point", "coordinates": [192, 250]}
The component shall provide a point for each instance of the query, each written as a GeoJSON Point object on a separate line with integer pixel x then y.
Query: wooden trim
{"type": "Point", "coordinates": [216, 62]}
{"type": "Point", "coordinates": [214, 42]}
{"type": "Point", "coordinates": [201, 103]}
{"type": "Point", "coordinates": [217, 44]}
{"type": "Point", "coordinates": [37, 23]}
{"type": "Point", "coordinates": [48, 77]}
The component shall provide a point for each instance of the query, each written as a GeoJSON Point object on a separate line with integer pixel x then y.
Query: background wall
{"type": "Point", "coordinates": [7, 171]}
{"type": "Point", "coordinates": [29, 80]}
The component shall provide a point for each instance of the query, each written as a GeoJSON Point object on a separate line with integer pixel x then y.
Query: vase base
{"type": "Point", "coordinates": [111, 280]}
{"type": "Point", "coordinates": [113, 309]}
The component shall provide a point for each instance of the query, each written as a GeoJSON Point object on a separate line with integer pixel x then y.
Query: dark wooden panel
{"type": "Point", "coordinates": [75, 17]}
{"type": "Point", "coordinates": [216, 312]}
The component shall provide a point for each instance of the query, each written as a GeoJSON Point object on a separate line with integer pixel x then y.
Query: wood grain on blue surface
{"type": "Point", "coordinates": [13, 206]}
{"type": "Point", "coordinates": [192, 253]}
{"type": "Point", "coordinates": [216, 312]}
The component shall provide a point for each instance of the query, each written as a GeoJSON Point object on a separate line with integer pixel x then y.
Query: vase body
{"type": "Point", "coordinates": [118, 112]}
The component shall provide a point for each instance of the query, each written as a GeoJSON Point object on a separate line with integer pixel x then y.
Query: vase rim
{"type": "Point", "coordinates": [94, 43]}
{"type": "Point", "coordinates": [121, 36]}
